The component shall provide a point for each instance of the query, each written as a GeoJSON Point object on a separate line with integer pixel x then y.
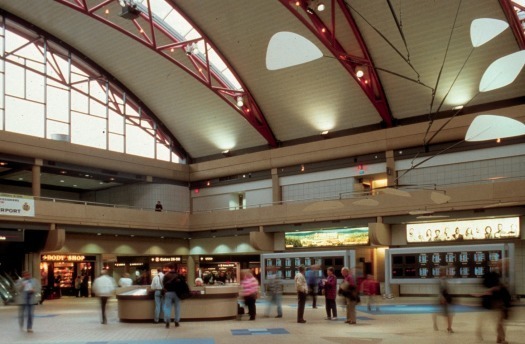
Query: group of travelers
{"type": "Point", "coordinates": [171, 288]}
{"type": "Point", "coordinates": [308, 283]}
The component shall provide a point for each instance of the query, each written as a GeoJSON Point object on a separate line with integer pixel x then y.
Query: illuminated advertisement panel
{"type": "Point", "coordinates": [485, 229]}
{"type": "Point", "coordinates": [327, 238]}
{"type": "Point", "coordinates": [460, 263]}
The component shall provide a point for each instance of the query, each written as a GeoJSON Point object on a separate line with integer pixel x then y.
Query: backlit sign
{"type": "Point", "coordinates": [484, 229]}
{"type": "Point", "coordinates": [327, 238]}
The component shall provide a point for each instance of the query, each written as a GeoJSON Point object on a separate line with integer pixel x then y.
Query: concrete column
{"type": "Point", "coordinates": [191, 269]}
{"type": "Point", "coordinates": [391, 174]}
{"type": "Point", "coordinates": [277, 196]}
{"type": "Point", "coordinates": [36, 177]}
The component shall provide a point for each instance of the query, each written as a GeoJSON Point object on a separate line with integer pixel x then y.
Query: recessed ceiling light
{"type": "Point", "coordinates": [61, 180]}
{"type": "Point", "coordinates": [20, 178]}
{"type": "Point", "coordinates": [99, 233]}
{"type": "Point", "coordinates": [3, 163]}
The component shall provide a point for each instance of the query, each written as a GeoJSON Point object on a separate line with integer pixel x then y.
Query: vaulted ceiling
{"type": "Point", "coordinates": [417, 56]}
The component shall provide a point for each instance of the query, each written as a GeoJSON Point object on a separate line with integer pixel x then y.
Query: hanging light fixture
{"type": "Point", "coordinates": [320, 7]}
{"type": "Point", "coordinates": [240, 101]}
{"type": "Point", "coordinates": [359, 72]}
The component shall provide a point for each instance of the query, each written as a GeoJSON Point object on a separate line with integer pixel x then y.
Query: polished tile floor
{"type": "Point", "coordinates": [399, 320]}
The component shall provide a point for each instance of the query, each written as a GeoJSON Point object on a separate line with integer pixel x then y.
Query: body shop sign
{"type": "Point", "coordinates": [17, 205]}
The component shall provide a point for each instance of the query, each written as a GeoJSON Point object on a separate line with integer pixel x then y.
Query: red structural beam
{"type": "Point", "coordinates": [509, 8]}
{"type": "Point", "coordinates": [201, 68]}
{"type": "Point", "coordinates": [370, 84]}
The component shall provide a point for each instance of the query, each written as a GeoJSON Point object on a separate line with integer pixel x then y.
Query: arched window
{"type": "Point", "coordinates": [48, 91]}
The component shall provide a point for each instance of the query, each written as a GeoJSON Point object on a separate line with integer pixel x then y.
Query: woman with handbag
{"type": "Point", "coordinates": [249, 290]}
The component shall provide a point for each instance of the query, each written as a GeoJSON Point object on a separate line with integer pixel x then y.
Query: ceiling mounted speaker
{"type": "Point", "coordinates": [287, 49]}
{"type": "Point", "coordinates": [492, 127]}
{"type": "Point", "coordinates": [366, 202]}
{"type": "Point", "coordinates": [439, 197]}
{"type": "Point", "coordinates": [483, 30]}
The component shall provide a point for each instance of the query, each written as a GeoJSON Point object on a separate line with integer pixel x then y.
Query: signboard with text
{"type": "Point", "coordinates": [16, 205]}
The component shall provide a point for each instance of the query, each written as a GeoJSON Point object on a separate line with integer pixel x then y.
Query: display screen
{"type": "Point", "coordinates": [327, 238]}
{"type": "Point", "coordinates": [485, 229]}
{"type": "Point", "coordinates": [461, 264]}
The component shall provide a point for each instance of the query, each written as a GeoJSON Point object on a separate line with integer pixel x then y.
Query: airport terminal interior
{"type": "Point", "coordinates": [387, 137]}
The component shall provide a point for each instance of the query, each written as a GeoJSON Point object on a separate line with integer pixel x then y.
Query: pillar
{"type": "Point", "coordinates": [276, 187]}
{"type": "Point", "coordinates": [36, 177]}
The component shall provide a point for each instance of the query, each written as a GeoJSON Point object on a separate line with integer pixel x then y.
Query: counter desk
{"type": "Point", "coordinates": [137, 304]}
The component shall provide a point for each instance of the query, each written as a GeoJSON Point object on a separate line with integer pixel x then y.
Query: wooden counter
{"type": "Point", "coordinates": [136, 304]}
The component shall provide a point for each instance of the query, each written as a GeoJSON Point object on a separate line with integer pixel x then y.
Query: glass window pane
{"type": "Point", "coordinates": [139, 142]}
{"type": "Point", "coordinates": [116, 143]}
{"type": "Point", "coordinates": [57, 104]}
{"type": "Point", "coordinates": [54, 127]}
{"type": "Point", "coordinates": [79, 101]}
{"type": "Point", "coordinates": [96, 108]}
{"type": "Point", "coordinates": [175, 158]}
{"type": "Point", "coordinates": [35, 66]}
{"type": "Point", "coordinates": [35, 86]}
{"type": "Point", "coordinates": [1, 119]}
{"type": "Point", "coordinates": [163, 152]}
{"type": "Point", "coordinates": [88, 130]}
{"type": "Point", "coordinates": [24, 117]}
{"type": "Point", "coordinates": [15, 81]}
{"type": "Point", "coordinates": [116, 123]}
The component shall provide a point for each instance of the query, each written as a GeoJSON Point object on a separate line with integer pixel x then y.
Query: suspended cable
{"type": "Point", "coordinates": [427, 159]}
{"type": "Point", "coordinates": [440, 72]}
{"type": "Point", "coordinates": [384, 38]}
{"type": "Point", "coordinates": [399, 27]}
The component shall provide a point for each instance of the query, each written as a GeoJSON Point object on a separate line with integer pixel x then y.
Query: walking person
{"type": "Point", "coordinates": [496, 300]}
{"type": "Point", "coordinates": [445, 302]}
{"type": "Point", "coordinates": [312, 279]}
{"type": "Point", "coordinates": [369, 288]}
{"type": "Point", "coordinates": [104, 287]}
{"type": "Point", "coordinates": [349, 291]}
{"type": "Point", "coordinates": [249, 290]}
{"type": "Point", "coordinates": [330, 292]}
{"type": "Point", "coordinates": [275, 293]}
{"type": "Point", "coordinates": [157, 286]}
{"type": "Point", "coordinates": [302, 291]}
{"type": "Point", "coordinates": [27, 288]}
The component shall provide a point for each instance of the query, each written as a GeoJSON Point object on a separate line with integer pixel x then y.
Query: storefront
{"type": "Point", "coordinates": [143, 268]}
{"type": "Point", "coordinates": [66, 275]}
{"type": "Point", "coordinates": [226, 269]}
